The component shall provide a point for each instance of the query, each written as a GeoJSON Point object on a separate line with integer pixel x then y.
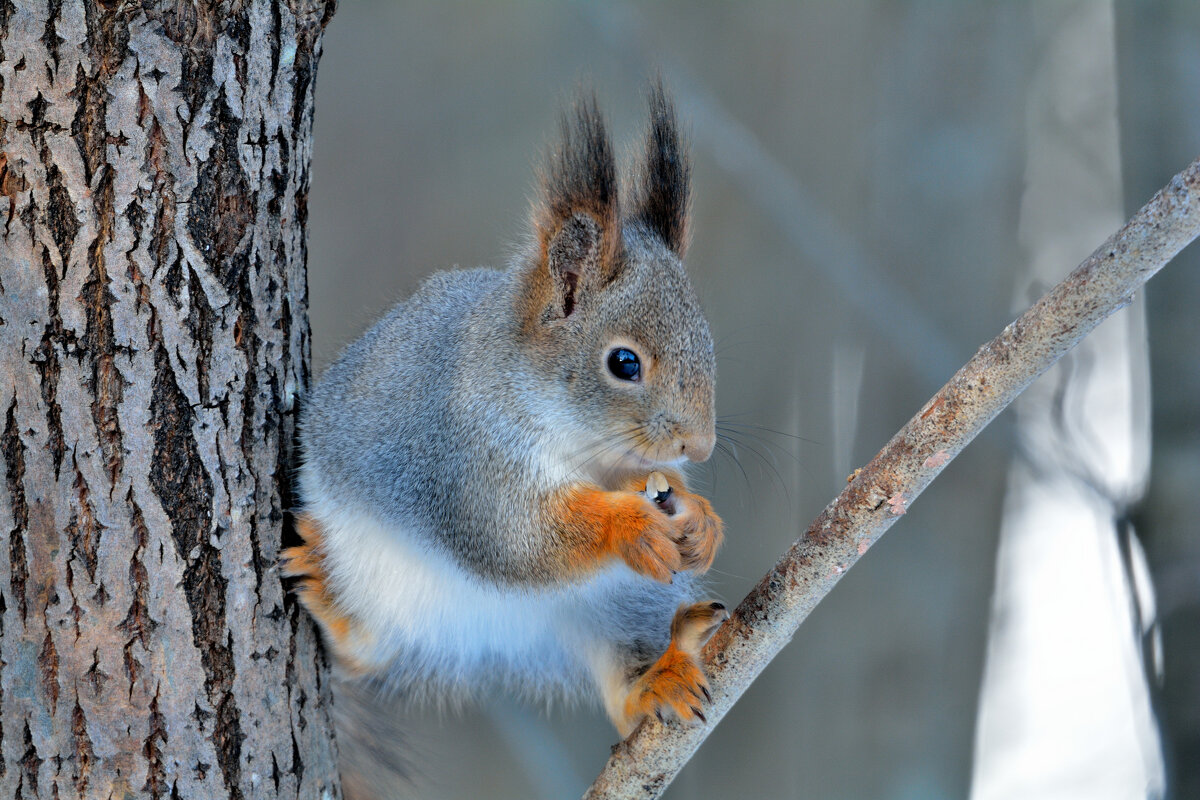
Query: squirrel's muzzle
{"type": "Point", "coordinates": [698, 446]}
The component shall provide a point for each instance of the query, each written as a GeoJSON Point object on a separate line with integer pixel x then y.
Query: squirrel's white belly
{"type": "Point", "coordinates": [436, 625]}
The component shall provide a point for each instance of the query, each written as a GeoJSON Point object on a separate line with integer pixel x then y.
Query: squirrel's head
{"type": "Point", "coordinates": [606, 307]}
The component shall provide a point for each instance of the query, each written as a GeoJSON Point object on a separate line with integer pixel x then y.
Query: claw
{"type": "Point", "coordinates": [707, 693]}
{"type": "Point", "coordinates": [699, 714]}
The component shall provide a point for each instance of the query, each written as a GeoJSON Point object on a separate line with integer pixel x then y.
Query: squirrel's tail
{"type": "Point", "coordinates": [372, 747]}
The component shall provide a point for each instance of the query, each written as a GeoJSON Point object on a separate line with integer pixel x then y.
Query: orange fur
{"type": "Point", "coordinates": [306, 563]}
{"type": "Point", "coordinates": [600, 525]}
{"type": "Point", "coordinates": [604, 525]}
{"type": "Point", "coordinates": [675, 682]}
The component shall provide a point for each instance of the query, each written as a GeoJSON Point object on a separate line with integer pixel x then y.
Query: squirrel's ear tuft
{"type": "Point", "coordinates": [577, 219]}
{"type": "Point", "coordinates": [662, 189]}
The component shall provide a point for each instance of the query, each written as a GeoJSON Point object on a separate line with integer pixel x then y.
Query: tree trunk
{"type": "Point", "coordinates": [154, 172]}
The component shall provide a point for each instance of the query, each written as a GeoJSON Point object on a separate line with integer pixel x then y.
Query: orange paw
{"type": "Point", "coordinates": [647, 544]}
{"type": "Point", "coordinates": [675, 684]}
{"type": "Point", "coordinates": [693, 625]}
{"type": "Point", "coordinates": [306, 562]}
{"type": "Point", "coordinates": [701, 530]}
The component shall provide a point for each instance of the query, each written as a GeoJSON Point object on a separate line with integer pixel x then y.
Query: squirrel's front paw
{"type": "Point", "coordinates": [694, 527]}
{"type": "Point", "coordinates": [655, 538]}
{"type": "Point", "coordinates": [648, 543]}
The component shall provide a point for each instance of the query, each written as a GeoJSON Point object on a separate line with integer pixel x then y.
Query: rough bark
{"type": "Point", "coordinates": [154, 172]}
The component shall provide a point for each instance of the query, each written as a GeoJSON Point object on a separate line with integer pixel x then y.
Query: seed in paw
{"type": "Point", "coordinates": [657, 488]}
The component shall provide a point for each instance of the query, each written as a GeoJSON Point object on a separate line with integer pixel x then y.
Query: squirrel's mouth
{"type": "Point", "coordinates": [617, 463]}
{"type": "Point", "coordinates": [640, 462]}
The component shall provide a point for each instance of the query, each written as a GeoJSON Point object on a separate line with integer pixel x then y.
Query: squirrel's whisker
{"type": "Point", "coordinates": [726, 422]}
{"type": "Point", "coordinates": [768, 463]}
{"type": "Point", "coordinates": [730, 453]}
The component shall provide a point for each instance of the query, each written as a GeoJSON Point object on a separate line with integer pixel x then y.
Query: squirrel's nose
{"type": "Point", "coordinates": [697, 446]}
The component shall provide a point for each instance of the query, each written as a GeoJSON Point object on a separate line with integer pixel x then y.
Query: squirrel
{"type": "Point", "coordinates": [491, 487]}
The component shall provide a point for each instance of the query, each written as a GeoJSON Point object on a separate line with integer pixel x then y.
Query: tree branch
{"type": "Point", "coordinates": [645, 764]}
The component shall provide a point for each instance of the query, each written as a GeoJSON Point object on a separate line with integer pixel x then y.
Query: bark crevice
{"type": "Point", "coordinates": [14, 473]}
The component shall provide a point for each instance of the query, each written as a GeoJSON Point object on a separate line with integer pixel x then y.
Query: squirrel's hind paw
{"type": "Point", "coordinates": [694, 625]}
{"type": "Point", "coordinates": [306, 563]}
{"type": "Point", "coordinates": [675, 684]}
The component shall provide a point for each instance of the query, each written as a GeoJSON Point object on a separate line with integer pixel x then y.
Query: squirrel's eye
{"type": "Point", "coordinates": [624, 363]}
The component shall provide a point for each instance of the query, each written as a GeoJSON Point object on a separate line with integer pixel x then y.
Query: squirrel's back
{"type": "Point", "coordinates": [381, 407]}
{"type": "Point", "coordinates": [434, 423]}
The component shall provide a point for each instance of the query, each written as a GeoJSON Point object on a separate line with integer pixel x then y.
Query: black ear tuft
{"type": "Point", "coordinates": [662, 192]}
{"type": "Point", "coordinates": [577, 220]}
{"type": "Point", "coordinates": [582, 174]}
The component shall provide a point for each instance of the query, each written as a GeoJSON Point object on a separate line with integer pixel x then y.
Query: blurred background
{"type": "Point", "coordinates": [876, 195]}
